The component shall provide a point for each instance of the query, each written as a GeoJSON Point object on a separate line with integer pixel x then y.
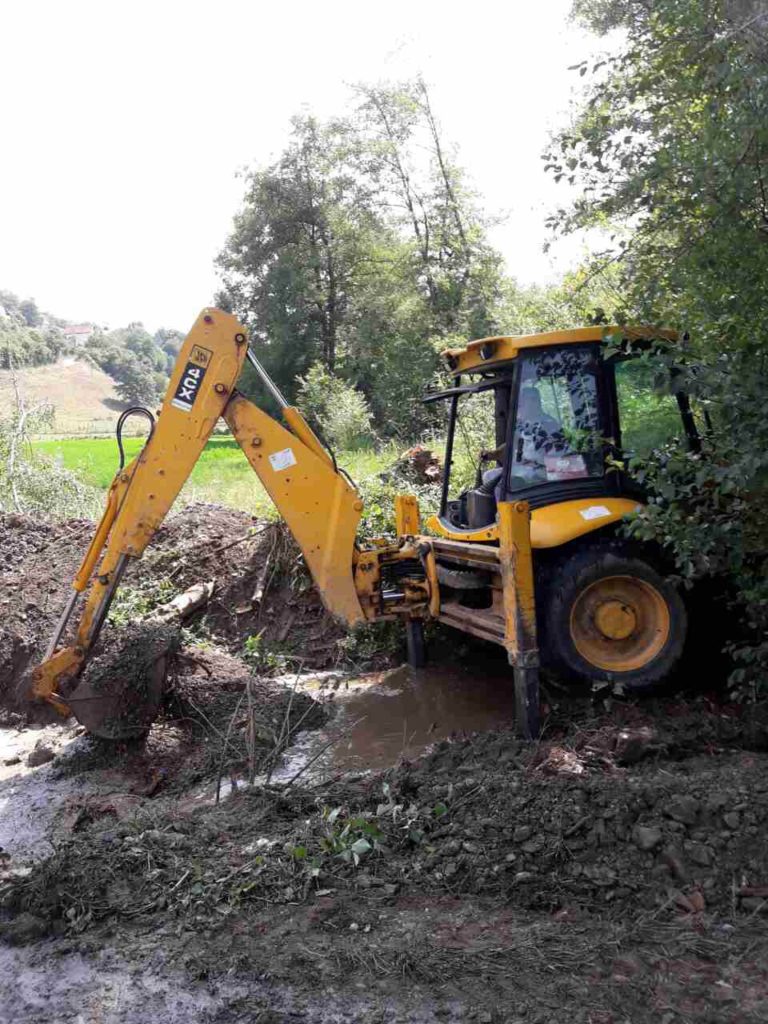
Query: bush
{"type": "Point", "coordinates": [341, 410]}
{"type": "Point", "coordinates": [34, 483]}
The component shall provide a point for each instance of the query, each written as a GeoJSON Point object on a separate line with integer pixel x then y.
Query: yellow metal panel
{"type": "Point", "coordinates": [65, 662]}
{"type": "Point", "coordinates": [483, 536]}
{"type": "Point", "coordinates": [469, 360]}
{"type": "Point", "coordinates": [551, 525]}
{"type": "Point", "coordinates": [406, 515]}
{"type": "Point", "coordinates": [299, 426]}
{"type": "Point", "coordinates": [554, 525]}
{"type": "Point", "coordinates": [320, 507]}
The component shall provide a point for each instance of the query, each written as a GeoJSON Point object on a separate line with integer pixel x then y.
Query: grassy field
{"type": "Point", "coordinates": [222, 474]}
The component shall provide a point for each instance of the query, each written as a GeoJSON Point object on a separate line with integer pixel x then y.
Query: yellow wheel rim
{"type": "Point", "coordinates": [620, 623]}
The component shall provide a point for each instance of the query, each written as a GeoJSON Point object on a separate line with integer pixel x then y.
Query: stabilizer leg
{"type": "Point", "coordinates": [516, 559]}
{"type": "Point", "coordinates": [417, 649]}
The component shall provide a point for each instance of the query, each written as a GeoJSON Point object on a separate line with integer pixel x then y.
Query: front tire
{"type": "Point", "coordinates": [609, 616]}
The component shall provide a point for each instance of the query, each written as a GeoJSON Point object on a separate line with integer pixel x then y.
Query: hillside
{"type": "Point", "coordinates": [82, 395]}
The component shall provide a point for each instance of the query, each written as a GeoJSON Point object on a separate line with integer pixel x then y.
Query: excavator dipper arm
{"type": "Point", "coordinates": [321, 508]}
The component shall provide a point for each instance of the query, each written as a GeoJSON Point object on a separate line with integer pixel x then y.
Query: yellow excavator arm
{"type": "Point", "coordinates": [320, 505]}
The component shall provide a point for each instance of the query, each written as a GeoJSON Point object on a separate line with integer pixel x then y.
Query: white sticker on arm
{"type": "Point", "coordinates": [283, 459]}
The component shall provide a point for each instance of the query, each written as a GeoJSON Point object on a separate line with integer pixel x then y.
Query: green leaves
{"type": "Point", "coordinates": [349, 839]}
{"type": "Point", "coordinates": [671, 143]}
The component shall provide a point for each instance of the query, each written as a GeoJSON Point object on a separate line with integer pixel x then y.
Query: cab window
{"type": "Point", "coordinates": [648, 411]}
{"type": "Point", "coordinates": [557, 433]}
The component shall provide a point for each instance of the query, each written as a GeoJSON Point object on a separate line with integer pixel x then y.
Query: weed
{"type": "Point", "coordinates": [263, 658]}
{"type": "Point", "coordinates": [367, 643]}
{"type": "Point", "coordinates": [132, 603]}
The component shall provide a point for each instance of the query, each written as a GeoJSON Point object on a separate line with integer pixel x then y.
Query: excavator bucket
{"type": "Point", "coordinates": [119, 694]}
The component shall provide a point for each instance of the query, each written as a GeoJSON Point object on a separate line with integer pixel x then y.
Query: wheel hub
{"type": "Point", "coordinates": [620, 623]}
{"type": "Point", "coordinates": [615, 620]}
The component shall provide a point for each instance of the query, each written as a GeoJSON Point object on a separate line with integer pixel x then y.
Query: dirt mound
{"type": "Point", "coordinates": [622, 861]}
{"type": "Point", "coordinates": [37, 563]}
{"type": "Point", "coordinates": [261, 588]}
{"type": "Point", "coordinates": [418, 465]}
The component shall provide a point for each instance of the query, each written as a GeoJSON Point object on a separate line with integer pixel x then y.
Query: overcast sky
{"type": "Point", "coordinates": [123, 127]}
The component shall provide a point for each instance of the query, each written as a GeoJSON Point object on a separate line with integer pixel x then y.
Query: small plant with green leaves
{"type": "Point", "coordinates": [341, 410]}
{"type": "Point", "coordinates": [349, 839]}
{"type": "Point", "coordinates": [134, 603]}
{"type": "Point", "coordinates": [262, 657]}
{"type": "Point", "coordinates": [367, 643]}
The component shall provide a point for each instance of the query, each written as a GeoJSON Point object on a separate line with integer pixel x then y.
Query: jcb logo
{"type": "Point", "coordinates": [200, 356]}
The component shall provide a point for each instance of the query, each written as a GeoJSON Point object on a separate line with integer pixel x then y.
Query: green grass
{"type": "Point", "coordinates": [222, 474]}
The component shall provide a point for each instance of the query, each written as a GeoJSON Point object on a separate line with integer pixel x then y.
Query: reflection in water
{"type": "Point", "coordinates": [386, 716]}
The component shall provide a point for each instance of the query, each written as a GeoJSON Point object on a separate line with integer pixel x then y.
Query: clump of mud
{"type": "Point", "coordinates": [119, 693]}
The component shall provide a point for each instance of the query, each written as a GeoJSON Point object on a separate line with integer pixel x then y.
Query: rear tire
{"type": "Point", "coordinates": [607, 615]}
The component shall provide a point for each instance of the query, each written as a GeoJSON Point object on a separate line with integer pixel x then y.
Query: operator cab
{"type": "Point", "coordinates": [551, 417]}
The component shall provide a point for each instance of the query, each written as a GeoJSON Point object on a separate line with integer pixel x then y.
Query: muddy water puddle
{"type": "Point", "coordinates": [381, 718]}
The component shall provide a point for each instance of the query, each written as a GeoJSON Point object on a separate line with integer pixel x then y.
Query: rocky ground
{"type": "Point", "coordinates": [616, 871]}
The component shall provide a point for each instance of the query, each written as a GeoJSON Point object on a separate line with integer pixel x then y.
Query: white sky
{"type": "Point", "coordinates": [123, 127]}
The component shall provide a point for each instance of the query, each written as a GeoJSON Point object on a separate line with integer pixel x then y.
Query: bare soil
{"type": "Point", "coordinates": [617, 870]}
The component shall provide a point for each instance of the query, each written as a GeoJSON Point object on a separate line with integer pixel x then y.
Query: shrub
{"type": "Point", "coordinates": [34, 483]}
{"type": "Point", "coordinates": [341, 410]}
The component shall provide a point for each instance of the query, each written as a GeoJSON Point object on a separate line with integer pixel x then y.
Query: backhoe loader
{"type": "Point", "coordinates": [531, 549]}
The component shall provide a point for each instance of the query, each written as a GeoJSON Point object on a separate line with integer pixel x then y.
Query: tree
{"type": "Point", "coordinates": [30, 312]}
{"type": "Point", "coordinates": [301, 242]}
{"type": "Point", "coordinates": [137, 382]}
{"type": "Point", "coordinates": [341, 410]}
{"type": "Point", "coordinates": [670, 148]}
{"type": "Point", "coordinates": [131, 356]}
{"type": "Point", "coordinates": [456, 267]}
{"type": "Point", "coordinates": [353, 251]}
{"type": "Point", "coordinates": [170, 341]}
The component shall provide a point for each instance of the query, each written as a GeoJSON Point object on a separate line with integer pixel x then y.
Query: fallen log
{"type": "Point", "coordinates": [184, 605]}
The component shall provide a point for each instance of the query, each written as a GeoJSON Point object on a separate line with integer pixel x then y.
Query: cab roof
{"type": "Point", "coordinates": [487, 353]}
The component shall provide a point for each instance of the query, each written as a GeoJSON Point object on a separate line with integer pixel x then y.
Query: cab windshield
{"type": "Point", "coordinates": [557, 428]}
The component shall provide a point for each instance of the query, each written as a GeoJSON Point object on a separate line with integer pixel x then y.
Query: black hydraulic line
{"type": "Point", "coordinates": [135, 410]}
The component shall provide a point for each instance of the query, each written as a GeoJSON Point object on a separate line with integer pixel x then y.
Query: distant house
{"type": "Point", "coordinates": [79, 333]}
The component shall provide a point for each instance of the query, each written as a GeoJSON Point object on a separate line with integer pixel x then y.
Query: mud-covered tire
{"type": "Point", "coordinates": [608, 615]}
